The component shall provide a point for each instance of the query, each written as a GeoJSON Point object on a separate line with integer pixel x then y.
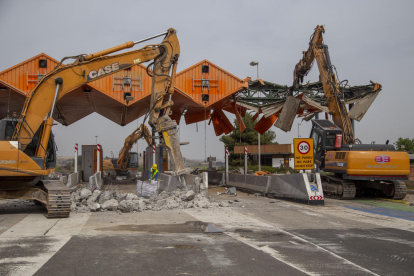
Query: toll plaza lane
{"type": "Point", "coordinates": [256, 236]}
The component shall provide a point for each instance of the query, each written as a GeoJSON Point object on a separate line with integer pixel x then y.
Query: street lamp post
{"type": "Point", "coordinates": [256, 63]}
{"type": "Point", "coordinates": [96, 139]}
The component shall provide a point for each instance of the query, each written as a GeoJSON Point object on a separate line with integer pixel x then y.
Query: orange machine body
{"type": "Point", "coordinates": [368, 163]}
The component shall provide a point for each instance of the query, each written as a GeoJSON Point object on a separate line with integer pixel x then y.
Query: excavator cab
{"type": "Point", "coordinates": [7, 127]}
{"type": "Point", "coordinates": [133, 160]}
{"type": "Point", "coordinates": [325, 136]}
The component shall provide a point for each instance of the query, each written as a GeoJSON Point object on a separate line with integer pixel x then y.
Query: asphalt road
{"type": "Point", "coordinates": [256, 236]}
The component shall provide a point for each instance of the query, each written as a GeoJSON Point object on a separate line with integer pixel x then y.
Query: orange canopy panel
{"type": "Point", "coordinates": [221, 123]}
{"type": "Point", "coordinates": [214, 81]}
{"type": "Point", "coordinates": [106, 96]}
{"type": "Point", "coordinates": [24, 75]}
{"type": "Point", "coordinates": [255, 116]}
{"type": "Point", "coordinates": [239, 118]}
{"type": "Point", "coordinates": [135, 80]}
{"type": "Point", "coordinates": [11, 100]}
{"type": "Point", "coordinates": [265, 123]}
{"type": "Point", "coordinates": [195, 115]}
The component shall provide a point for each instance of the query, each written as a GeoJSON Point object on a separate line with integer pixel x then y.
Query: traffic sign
{"type": "Point", "coordinates": [303, 153]}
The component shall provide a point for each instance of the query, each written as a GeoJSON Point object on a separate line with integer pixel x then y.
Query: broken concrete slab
{"type": "Point", "coordinates": [288, 114]}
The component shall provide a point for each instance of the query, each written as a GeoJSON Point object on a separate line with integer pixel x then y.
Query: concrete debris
{"type": "Point", "coordinates": [111, 205]}
{"type": "Point", "coordinates": [85, 193]}
{"type": "Point", "coordinates": [189, 195]}
{"type": "Point", "coordinates": [84, 200]}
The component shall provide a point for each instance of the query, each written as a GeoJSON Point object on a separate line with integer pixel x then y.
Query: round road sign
{"type": "Point", "coordinates": [303, 147]}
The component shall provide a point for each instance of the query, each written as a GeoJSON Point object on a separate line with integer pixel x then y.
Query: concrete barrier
{"type": "Point", "coordinates": [72, 180]}
{"type": "Point", "coordinates": [293, 187]}
{"type": "Point", "coordinates": [250, 182]}
{"type": "Point", "coordinates": [296, 187]}
{"type": "Point", "coordinates": [64, 179]}
{"type": "Point", "coordinates": [95, 180]}
{"type": "Point", "coordinates": [190, 182]}
{"type": "Point", "coordinates": [168, 182]}
{"type": "Point", "coordinates": [216, 178]}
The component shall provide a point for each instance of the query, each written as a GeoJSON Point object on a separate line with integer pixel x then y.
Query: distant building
{"type": "Point", "coordinates": [270, 155]}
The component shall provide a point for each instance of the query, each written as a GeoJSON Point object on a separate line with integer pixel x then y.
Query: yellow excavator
{"type": "Point", "coordinates": [361, 169]}
{"type": "Point", "coordinates": [127, 160]}
{"type": "Point", "coordinates": [27, 147]}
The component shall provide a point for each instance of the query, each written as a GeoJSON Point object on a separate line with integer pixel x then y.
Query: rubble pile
{"type": "Point", "coordinates": [84, 200]}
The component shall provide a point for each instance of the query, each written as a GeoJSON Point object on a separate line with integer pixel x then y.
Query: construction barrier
{"type": "Point", "coordinates": [250, 182]}
{"type": "Point", "coordinates": [95, 180]}
{"type": "Point", "coordinates": [216, 178]}
{"type": "Point", "coordinates": [72, 180]}
{"type": "Point", "coordinates": [296, 187]}
{"type": "Point", "coordinates": [293, 187]}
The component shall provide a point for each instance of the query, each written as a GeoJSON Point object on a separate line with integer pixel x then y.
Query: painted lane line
{"type": "Point", "coordinates": [52, 233]}
{"type": "Point", "coordinates": [28, 265]}
{"type": "Point", "coordinates": [229, 219]}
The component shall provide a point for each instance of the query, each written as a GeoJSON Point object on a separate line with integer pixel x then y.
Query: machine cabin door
{"type": "Point", "coordinates": [88, 167]}
{"type": "Point", "coordinates": [318, 147]}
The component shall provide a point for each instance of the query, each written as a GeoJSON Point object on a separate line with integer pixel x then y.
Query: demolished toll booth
{"type": "Point", "coordinates": [202, 92]}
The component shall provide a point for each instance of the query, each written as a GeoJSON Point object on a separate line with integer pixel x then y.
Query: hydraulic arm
{"type": "Point", "coordinates": [38, 109]}
{"type": "Point", "coordinates": [335, 98]}
{"type": "Point", "coordinates": [140, 132]}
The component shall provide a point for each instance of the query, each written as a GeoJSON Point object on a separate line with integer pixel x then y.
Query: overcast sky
{"type": "Point", "coordinates": [368, 40]}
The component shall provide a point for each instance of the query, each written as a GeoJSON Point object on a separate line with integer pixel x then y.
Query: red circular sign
{"type": "Point", "coordinates": [303, 147]}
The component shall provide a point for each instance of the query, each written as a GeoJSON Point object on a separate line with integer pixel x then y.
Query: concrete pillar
{"type": "Point", "coordinates": [227, 166]}
{"type": "Point", "coordinates": [76, 158]}
{"type": "Point", "coordinates": [245, 160]}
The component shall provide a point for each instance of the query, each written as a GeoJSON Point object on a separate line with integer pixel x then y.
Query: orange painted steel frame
{"type": "Point", "coordinates": [40, 101]}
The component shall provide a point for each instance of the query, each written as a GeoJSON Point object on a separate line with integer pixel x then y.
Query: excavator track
{"type": "Point", "coordinates": [400, 189]}
{"type": "Point", "coordinates": [58, 199]}
{"type": "Point", "coordinates": [336, 187]}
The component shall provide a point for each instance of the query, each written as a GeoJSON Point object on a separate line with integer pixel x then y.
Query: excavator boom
{"type": "Point", "coordinates": [335, 98]}
{"type": "Point", "coordinates": [140, 132]}
{"type": "Point", "coordinates": [55, 85]}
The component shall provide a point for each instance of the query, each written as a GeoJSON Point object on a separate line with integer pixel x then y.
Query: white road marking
{"type": "Point", "coordinates": [230, 219]}
{"type": "Point", "coordinates": [28, 265]}
{"type": "Point", "coordinates": [54, 234]}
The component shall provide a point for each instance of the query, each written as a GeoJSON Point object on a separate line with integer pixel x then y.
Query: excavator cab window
{"type": "Point", "coordinates": [133, 160]}
{"type": "Point", "coordinates": [7, 128]}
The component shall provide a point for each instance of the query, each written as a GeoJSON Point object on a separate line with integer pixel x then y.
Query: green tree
{"type": "Point", "coordinates": [406, 142]}
{"type": "Point", "coordinates": [248, 137]}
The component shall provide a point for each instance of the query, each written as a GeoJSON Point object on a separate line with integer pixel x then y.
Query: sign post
{"type": "Point", "coordinates": [304, 159]}
{"type": "Point", "coordinates": [98, 155]}
{"type": "Point", "coordinates": [245, 160]}
{"type": "Point", "coordinates": [153, 156]}
{"type": "Point", "coordinates": [227, 166]}
{"type": "Point", "coordinates": [76, 158]}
